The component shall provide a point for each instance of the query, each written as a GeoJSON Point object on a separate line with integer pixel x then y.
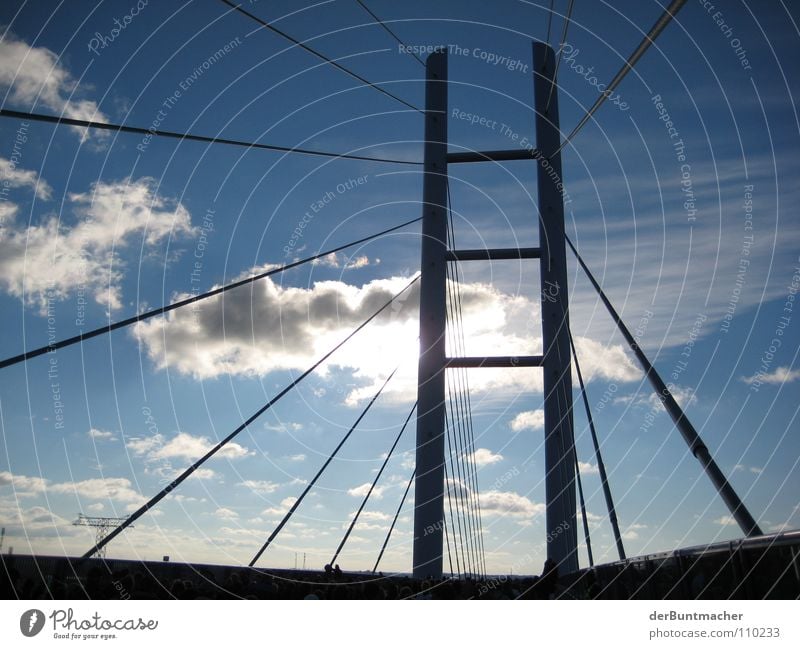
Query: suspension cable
{"type": "Point", "coordinates": [311, 484]}
{"type": "Point", "coordinates": [393, 35]}
{"type": "Point", "coordinates": [198, 463]}
{"type": "Point", "coordinates": [601, 467]}
{"type": "Point", "coordinates": [647, 41]}
{"type": "Point", "coordinates": [394, 521]}
{"type": "Point", "coordinates": [195, 298]}
{"type": "Point", "coordinates": [319, 55]}
{"type": "Point", "coordinates": [372, 486]}
{"type": "Point", "coordinates": [121, 128]}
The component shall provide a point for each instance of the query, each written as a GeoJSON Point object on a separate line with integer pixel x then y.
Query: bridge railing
{"type": "Point", "coordinates": [763, 567]}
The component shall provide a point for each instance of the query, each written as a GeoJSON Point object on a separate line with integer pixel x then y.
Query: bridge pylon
{"type": "Point", "coordinates": [429, 519]}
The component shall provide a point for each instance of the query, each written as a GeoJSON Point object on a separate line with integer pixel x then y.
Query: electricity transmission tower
{"type": "Point", "coordinates": [103, 525]}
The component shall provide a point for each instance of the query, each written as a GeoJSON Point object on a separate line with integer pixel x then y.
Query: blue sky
{"type": "Point", "coordinates": [692, 231]}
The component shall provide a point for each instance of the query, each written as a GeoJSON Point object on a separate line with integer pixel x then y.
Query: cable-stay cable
{"type": "Point", "coordinates": [583, 511]}
{"type": "Point", "coordinates": [319, 55]}
{"type": "Point", "coordinates": [463, 380]}
{"type": "Point", "coordinates": [462, 454]}
{"type": "Point", "coordinates": [550, 13]}
{"type": "Point", "coordinates": [647, 41]}
{"type": "Point", "coordinates": [138, 130]}
{"type": "Point", "coordinates": [321, 470]}
{"type": "Point", "coordinates": [601, 467]}
{"type": "Point", "coordinates": [372, 486]}
{"type": "Point", "coordinates": [460, 459]}
{"type": "Point", "coordinates": [393, 35]}
{"type": "Point", "coordinates": [693, 440]}
{"type": "Point", "coordinates": [449, 485]}
{"type": "Point", "coordinates": [463, 392]}
{"type": "Point", "coordinates": [458, 488]}
{"type": "Point", "coordinates": [198, 463]}
{"type": "Point", "coordinates": [454, 413]}
{"type": "Point", "coordinates": [549, 22]}
{"type": "Point", "coordinates": [191, 300]}
{"type": "Point", "coordinates": [394, 520]}
{"type": "Point", "coordinates": [457, 417]}
{"type": "Point", "coordinates": [462, 397]}
{"type": "Point", "coordinates": [554, 78]}
{"type": "Point", "coordinates": [447, 542]}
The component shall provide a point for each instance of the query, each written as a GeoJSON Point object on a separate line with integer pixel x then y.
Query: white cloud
{"type": "Point", "coordinates": [604, 361]}
{"type": "Point", "coordinates": [96, 507]}
{"type": "Point", "coordinates": [359, 262]}
{"type": "Point", "coordinates": [8, 211]}
{"type": "Point", "coordinates": [35, 75]}
{"type": "Point", "coordinates": [591, 517]}
{"type": "Point", "coordinates": [285, 505]}
{"type": "Point", "coordinates": [34, 522]}
{"type": "Point", "coordinates": [268, 327]}
{"type": "Point", "coordinates": [119, 489]}
{"type": "Point", "coordinates": [361, 490]}
{"type": "Point", "coordinates": [344, 262]}
{"type": "Point", "coordinates": [199, 474]}
{"type": "Point", "coordinates": [725, 521]}
{"type": "Point", "coordinates": [225, 513]}
{"type": "Point", "coordinates": [96, 433]}
{"type": "Point", "coordinates": [509, 503]}
{"type": "Point", "coordinates": [752, 469]}
{"type": "Point", "coordinates": [184, 446]}
{"type": "Point", "coordinates": [631, 533]}
{"type": "Point", "coordinates": [484, 457]}
{"type": "Point", "coordinates": [587, 468]}
{"type": "Point", "coordinates": [368, 515]}
{"type": "Point", "coordinates": [780, 375]}
{"type": "Point", "coordinates": [13, 176]}
{"type": "Point", "coordinates": [299, 457]}
{"type": "Point", "coordinates": [22, 485]}
{"type": "Point", "coordinates": [528, 420]}
{"type": "Point", "coordinates": [116, 489]}
{"type": "Point", "coordinates": [52, 259]}
{"type": "Point", "coordinates": [260, 486]}
{"type": "Point", "coordinates": [683, 395]}
{"type": "Point", "coordinates": [496, 503]}
{"type": "Point", "coordinates": [143, 445]}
